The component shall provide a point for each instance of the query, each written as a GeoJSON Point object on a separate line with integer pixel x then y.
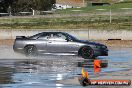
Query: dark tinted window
{"type": "Point", "coordinates": [57, 37]}
{"type": "Point", "coordinates": [44, 36]}
{"type": "Point", "coordinates": [70, 37]}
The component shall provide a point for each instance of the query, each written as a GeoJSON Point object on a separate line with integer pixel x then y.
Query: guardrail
{"type": "Point", "coordinates": [4, 14]}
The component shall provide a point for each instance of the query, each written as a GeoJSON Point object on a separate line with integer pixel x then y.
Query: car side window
{"type": "Point", "coordinates": [44, 37]}
{"type": "Point", "coordinates": [57, 37]}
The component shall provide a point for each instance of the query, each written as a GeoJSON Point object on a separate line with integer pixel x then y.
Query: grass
{"type": "Point", "coordinates": [98, 22]}
{"type": "Point", "coordinates": [93, 9]}
{"type": "Point", "coordinates": [94, 21]}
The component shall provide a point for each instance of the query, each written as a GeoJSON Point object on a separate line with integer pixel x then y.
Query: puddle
{"type": "Point", "coordinates": [43, 72]}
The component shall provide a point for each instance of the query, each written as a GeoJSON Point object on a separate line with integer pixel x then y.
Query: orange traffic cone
{"type": "Point", "coordinates": [97, 66]}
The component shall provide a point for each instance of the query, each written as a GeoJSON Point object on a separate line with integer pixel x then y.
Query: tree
{"type": "Point", "coordinates": [4, 5]}
{"type": "Point", "coordinates": [44, 4]}
{"type": "Point", "coordinates": [22, 5]}
{"type": "Point", "coordinates": [28, 5]}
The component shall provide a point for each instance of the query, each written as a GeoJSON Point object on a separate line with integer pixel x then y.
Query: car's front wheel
{"type": "Point", "coordinates": [30, 50]}
{"type": "Point", "coordinates": [87, 52]}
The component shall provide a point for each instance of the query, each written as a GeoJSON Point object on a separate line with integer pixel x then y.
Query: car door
{"type": "Point", "coordinates": [58, 43]}
{"type": "Point", "coordinates": [42, 42]}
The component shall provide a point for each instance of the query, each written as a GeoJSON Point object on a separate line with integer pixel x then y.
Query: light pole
{"type": "Point", "coordinates": [83, 3]}
{"type": "Point", "coordinates": [33, 11]}
{"type": "Point", "coordinates": [9, 11]}
{"type": "Point", "coordinates": [110, 16]}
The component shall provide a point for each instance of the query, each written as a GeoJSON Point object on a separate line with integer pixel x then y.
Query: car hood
{"type": "Point", "coordinates": [90, 42]}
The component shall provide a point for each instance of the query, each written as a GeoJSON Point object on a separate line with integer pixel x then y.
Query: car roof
{"type": "Point", "coordinates": [53, 32]}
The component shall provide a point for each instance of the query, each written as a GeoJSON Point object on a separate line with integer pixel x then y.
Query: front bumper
{"type": "Point", "coordinates": [104, 52]}
{"type": "Point", "coordinates": [101, 52]}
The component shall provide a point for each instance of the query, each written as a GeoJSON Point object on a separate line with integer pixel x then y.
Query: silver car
{"type": "Point", "coordinates": [58, 43]}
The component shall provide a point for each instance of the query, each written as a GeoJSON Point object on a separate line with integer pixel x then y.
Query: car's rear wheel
{"type": "Point", "coordinates": [30, 50]}
{"type": "Point", "coordinates": [87, 52]}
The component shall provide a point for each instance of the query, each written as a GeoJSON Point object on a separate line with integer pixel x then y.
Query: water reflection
{"type": "Point", "coordinates": [5, 75]}
{"type": "Point", "coordinates": [89, 63]}
{"type": "Point", "coordinates": [42, 71]}
{"type": "Point", "coordinates": [45, 66]}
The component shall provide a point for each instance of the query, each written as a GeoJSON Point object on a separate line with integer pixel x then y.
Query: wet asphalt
{"type": "Point", "coordinates": [19, 71]}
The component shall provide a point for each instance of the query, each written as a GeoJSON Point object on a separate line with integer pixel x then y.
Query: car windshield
{"type": "Point", "coordinates": [71, 37]}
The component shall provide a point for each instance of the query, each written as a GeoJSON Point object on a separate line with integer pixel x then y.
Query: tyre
{"type": "Point", "coordinates": [30, 50]}
{"type": "Point", "coordinates": [87, 52]}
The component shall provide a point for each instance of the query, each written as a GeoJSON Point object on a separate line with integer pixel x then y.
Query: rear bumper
{"type": "Point", "coordinates": [18, 50]}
